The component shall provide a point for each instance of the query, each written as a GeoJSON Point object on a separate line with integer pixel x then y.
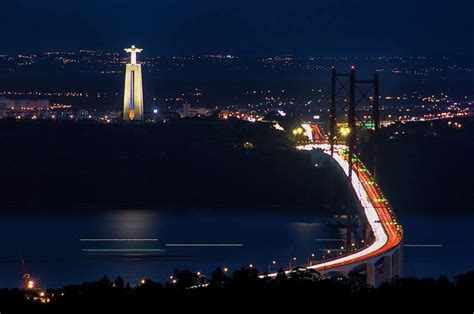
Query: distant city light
{"type": "Point", "coordinates": [282, 113]}
{"type": "Point", "coordinates": [278, 127]}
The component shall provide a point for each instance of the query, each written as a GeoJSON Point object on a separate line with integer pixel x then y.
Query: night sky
{"type": "Point", "coordinates": [185, 27]}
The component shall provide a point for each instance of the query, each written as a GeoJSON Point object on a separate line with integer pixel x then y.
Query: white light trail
{"type": "Point", "coordinates": [118, 240]}
{"type": "Point", "coordinates": [423, 245]}
{"type": "Point", "coordinates": [308, 131]}
{"type": "Point", "coordinates": [380, 235]}
{"type": "Point", "coordinates": [369, 210]}
{"type": "Point", "coordinates": [204, 245]}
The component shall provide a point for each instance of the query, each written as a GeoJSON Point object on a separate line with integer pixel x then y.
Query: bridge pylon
{"type": "Point", "coordinates": [347, 94]}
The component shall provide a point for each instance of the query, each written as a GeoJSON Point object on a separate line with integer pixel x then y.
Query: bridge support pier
{"type": "Point", "coordinates": [370, 271]}
{"type": "Point", "coordinates": [397, 262]}
{"type": "Point", "coordinates": [386, 271]}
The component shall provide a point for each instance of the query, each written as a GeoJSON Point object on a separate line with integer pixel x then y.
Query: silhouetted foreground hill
{"type": "Point", "coordinates": [244, 289]}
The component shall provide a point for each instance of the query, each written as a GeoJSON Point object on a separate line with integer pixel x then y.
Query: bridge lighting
{"type": "Point", "coordinates": [387, 233]}
{"type": "Point", "coordinates": [345, 131]}
{"type": "Point", "coordinates": [308, 131]}
{"type": "Point", "coordinates": [298, 131]}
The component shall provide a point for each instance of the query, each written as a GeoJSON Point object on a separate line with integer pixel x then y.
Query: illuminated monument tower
{"type": "Point", "coordinates": [133, 96]}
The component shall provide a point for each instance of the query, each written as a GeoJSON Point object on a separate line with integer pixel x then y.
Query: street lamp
{"type": "Point", "coordinates": [293, 259]}
{"type": "Point", "coordinates": [270, 266]}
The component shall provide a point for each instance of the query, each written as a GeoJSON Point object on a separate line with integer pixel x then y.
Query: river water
{"type": "Point", "coordinates": [51, 245]}
{"type": "Point", "coordinates": [69, 248]}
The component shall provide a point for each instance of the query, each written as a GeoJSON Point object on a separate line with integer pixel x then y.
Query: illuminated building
{"type": "Point", "coordinates": [133, 96]}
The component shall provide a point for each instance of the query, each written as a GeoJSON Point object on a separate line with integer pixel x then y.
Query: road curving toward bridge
{"type": "Point", "coordinates": [387, 233]}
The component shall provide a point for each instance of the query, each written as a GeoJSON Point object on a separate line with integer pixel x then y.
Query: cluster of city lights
{"type": "Point", "coordinates": [241, 115]}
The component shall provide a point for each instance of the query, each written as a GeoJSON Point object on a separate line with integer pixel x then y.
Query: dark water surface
{"type": "Point", "coordinates": [55, 256]}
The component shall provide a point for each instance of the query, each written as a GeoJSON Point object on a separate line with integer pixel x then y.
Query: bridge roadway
{"type": "Point", "coordinates": [382, 256]}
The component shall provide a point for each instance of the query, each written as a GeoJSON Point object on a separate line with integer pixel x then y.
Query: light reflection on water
{"type": "Point", "coordinates": [53, 253]}
{"type": "Point", "coordinates": [51, 246]}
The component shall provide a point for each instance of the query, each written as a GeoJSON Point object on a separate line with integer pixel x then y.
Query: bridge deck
{"type": "Point", "coordinates": [387, 232]}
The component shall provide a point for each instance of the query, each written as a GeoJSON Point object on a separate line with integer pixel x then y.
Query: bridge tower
{"type": "Point", "coordinates": [347, 94]}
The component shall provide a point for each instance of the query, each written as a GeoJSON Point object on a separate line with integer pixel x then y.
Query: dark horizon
{"type": "Point", "coordinates": [336, 28]}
